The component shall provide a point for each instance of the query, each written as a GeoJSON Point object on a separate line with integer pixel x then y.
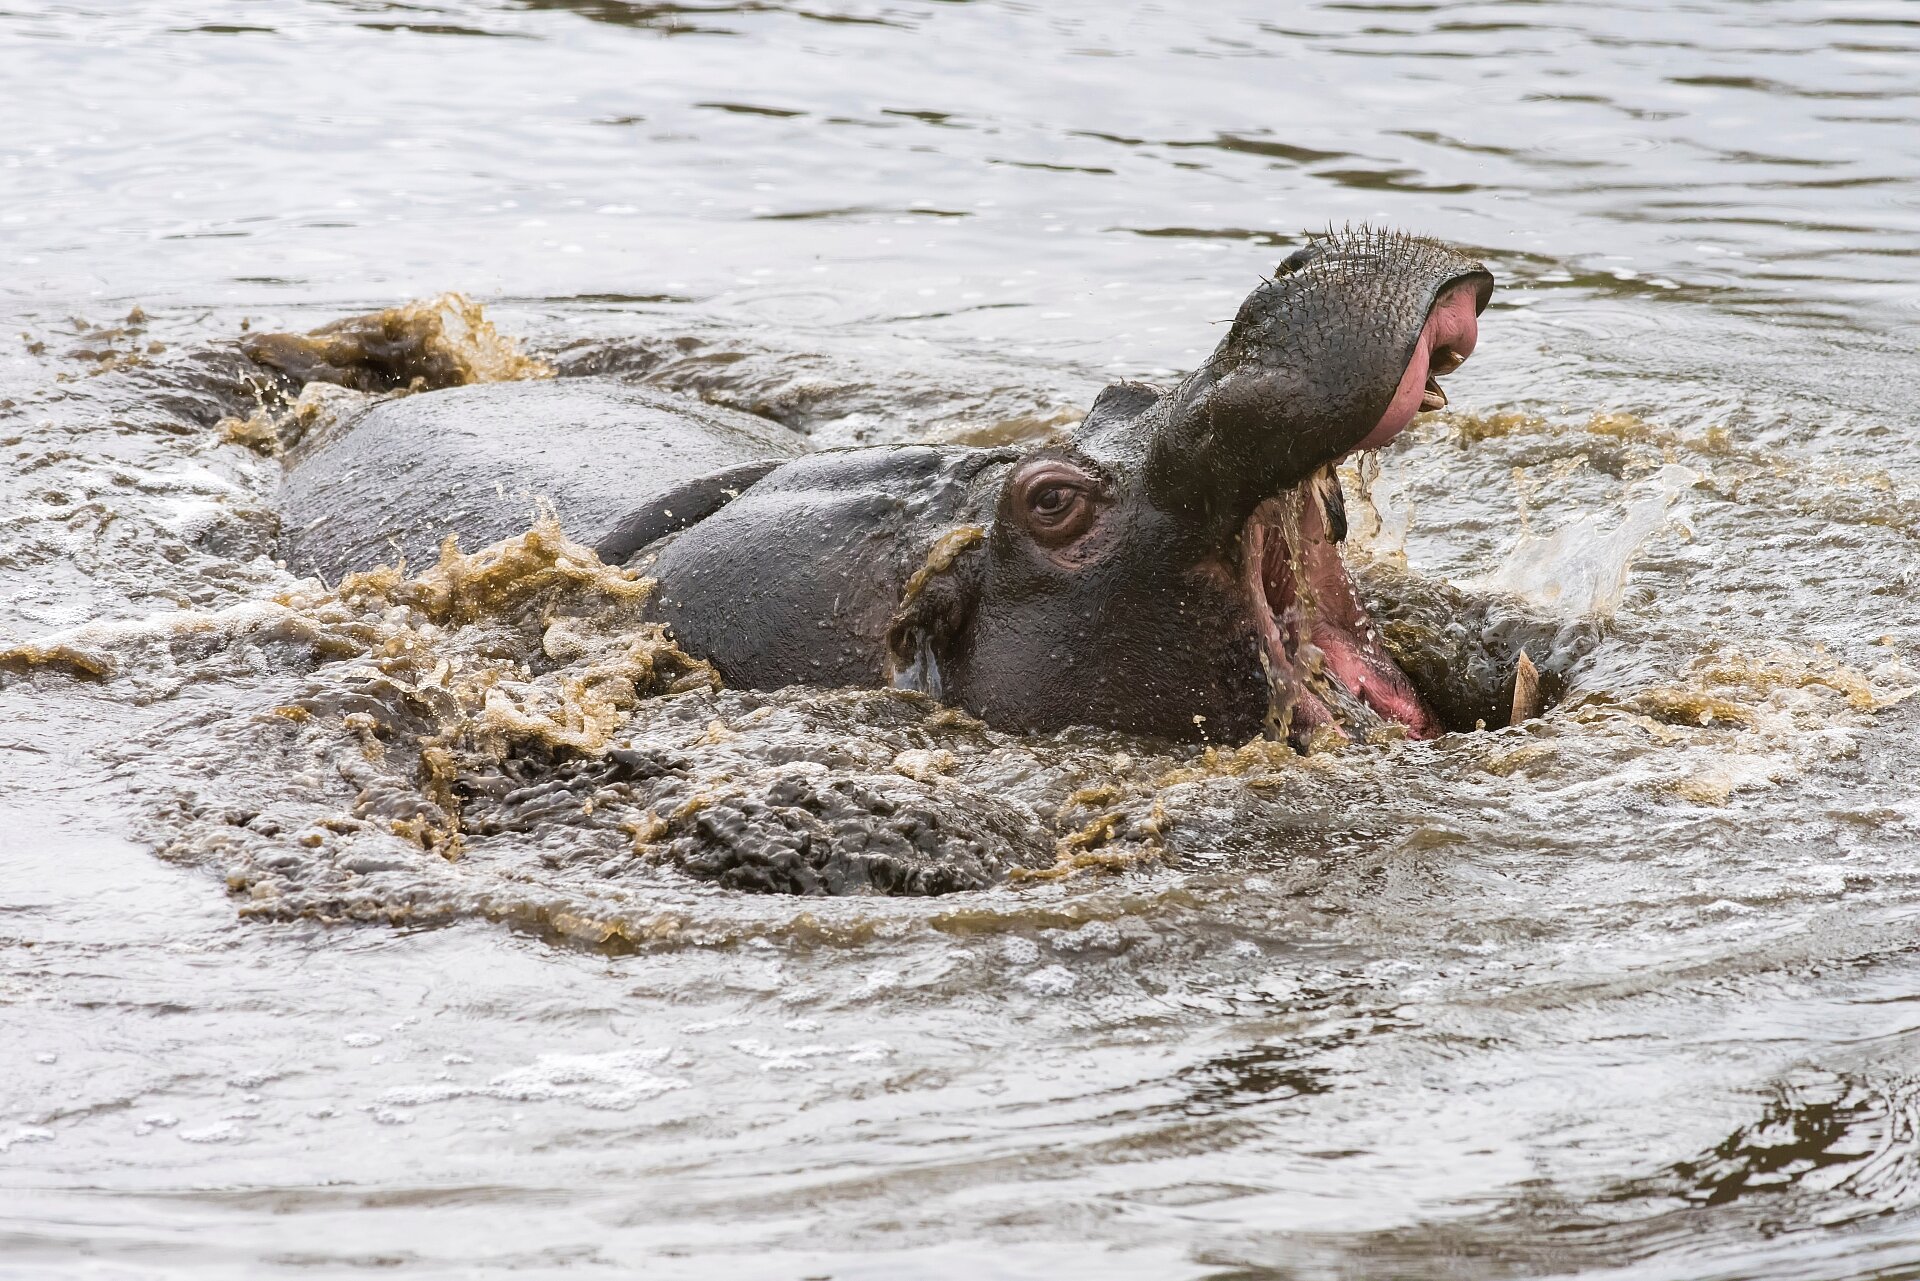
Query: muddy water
{"type": "Point", "coordinates": [1630, 987]}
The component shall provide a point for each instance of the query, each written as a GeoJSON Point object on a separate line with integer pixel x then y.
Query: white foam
{"type": "Point", "coordinates": [615, 1081]}
{"type": "Point", "coordinates": [716, 1025]}
{"type": "Point", "coordinates": [1053, 980]}
{"type": "Point", "coordinates": [27, 1134]}
{"type": "Point", "coordinates": [1021, 951]}
{"type": "Point", "coordinates": [218, 1132]}
{"type": "Point", "coordinates": [799, 1058]}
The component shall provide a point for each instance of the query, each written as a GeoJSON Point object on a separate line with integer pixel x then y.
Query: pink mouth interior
{"type": "Point", "coordinates": [1324, 654]}
{"type": "Point", "coordinates": [1452, 327]}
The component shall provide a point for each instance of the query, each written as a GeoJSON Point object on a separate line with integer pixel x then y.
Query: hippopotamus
{"type": "Point", "coordinates": [1169, 567]}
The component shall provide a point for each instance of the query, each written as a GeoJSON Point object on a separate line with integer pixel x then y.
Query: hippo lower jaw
{"type": "Point", "coordinates": [1326, 669]}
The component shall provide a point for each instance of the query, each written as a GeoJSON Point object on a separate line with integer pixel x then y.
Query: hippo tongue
{"type": "Point", "coordinates": [1325, 664]}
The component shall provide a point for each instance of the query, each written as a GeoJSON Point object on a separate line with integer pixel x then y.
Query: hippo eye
{"type": "Point", "coordinates": [1056, 500]}
{"type": "Point", "coordinates": [1053, 501]}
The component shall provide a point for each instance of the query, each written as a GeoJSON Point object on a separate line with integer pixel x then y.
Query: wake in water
{"type": "Point", "coordinates": [499, 735]}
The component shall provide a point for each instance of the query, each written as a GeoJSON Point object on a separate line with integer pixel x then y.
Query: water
{"type": "Point", "coordinates": [1627, 989]}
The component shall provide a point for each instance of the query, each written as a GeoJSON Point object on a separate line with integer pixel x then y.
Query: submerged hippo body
{"type": "Point", "coordinates": [1168, 567]}
{"type": "Point", "coordinates": [474, 462]}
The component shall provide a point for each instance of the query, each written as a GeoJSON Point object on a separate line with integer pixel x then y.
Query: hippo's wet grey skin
{"type": "Point", "coordinates": [805, 578]}
{"type": "Point", "coordinates": [1170, 567]}
{"type": "Point", "coordinates": [401, 477]}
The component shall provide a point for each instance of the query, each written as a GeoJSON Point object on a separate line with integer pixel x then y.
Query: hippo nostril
{"type": "Point", "coordinates": [1296, 260]}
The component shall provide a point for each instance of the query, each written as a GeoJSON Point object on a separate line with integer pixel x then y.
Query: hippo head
{"type": "Point", "coordinates": [1172, 566]}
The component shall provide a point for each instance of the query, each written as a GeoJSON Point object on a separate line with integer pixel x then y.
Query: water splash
{"type": "Point", "coordinates": [1382, 516]}
{"type": "Point", "coordinates": [1581, 568]}
{"type": "Point", "coordinates": [425, 345]}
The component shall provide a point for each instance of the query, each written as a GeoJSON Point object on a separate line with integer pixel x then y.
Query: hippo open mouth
{"type": "Point", "coordinates": [1326, 669]}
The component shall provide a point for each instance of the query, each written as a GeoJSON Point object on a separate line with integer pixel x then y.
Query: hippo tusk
{"type": "Point", "coordinates": [1527, 702]}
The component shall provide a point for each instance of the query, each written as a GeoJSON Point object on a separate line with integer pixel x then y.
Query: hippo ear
{"type": "Point", "coordinates": [935, 610]}
{"type": "Point", "coordinates": [1121, 402]}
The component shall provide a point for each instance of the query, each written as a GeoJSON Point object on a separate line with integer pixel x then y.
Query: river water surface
{"type": "Point", "coordinates": [1633, 988]}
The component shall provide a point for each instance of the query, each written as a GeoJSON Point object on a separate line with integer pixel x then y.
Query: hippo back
{"type": "Point", "coordinates": [477, 461]}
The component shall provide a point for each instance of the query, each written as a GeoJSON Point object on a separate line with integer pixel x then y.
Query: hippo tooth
{"type": "Point", "coordinates": [1434, 398]}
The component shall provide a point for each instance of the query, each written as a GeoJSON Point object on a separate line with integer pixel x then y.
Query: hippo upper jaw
{"type": "Point", "coordinates": [1326, 668]}
{"type": "Point", "coordinates": [1337, 352]}
{"type": "Point", "coordinates": [1448, 337]}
